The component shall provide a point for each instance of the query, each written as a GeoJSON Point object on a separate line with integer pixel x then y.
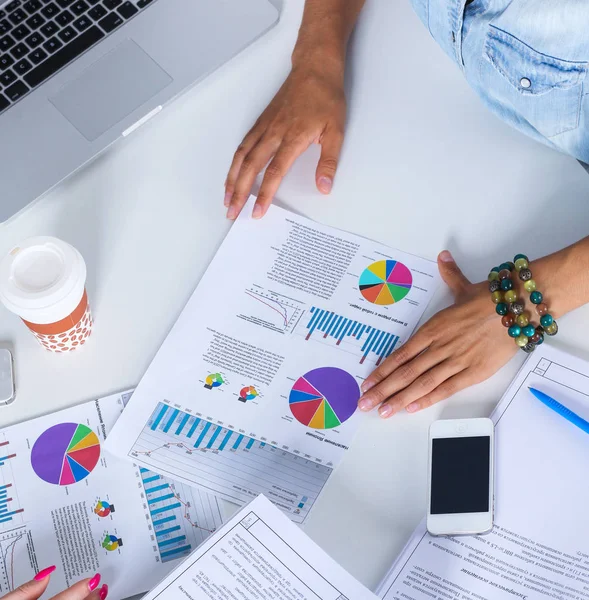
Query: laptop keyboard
{"type": "Point", "coordinates": [40, 37]}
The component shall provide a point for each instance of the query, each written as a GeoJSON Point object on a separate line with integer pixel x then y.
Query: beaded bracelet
{"type": "Point", "coordinates": [526, 335]}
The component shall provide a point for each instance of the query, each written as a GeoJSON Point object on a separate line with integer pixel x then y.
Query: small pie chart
{"type": "Point", "coordinates": [385, 282]}
{"type": "Point", "coordinates": [324, 398]}
{"type": "Point", "coordinates": [65, 454]}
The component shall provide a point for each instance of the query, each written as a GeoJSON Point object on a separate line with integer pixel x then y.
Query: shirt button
{"type": "Point", "coordinates": [525, 83]}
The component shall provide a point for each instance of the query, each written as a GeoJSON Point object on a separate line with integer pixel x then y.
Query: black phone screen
{"type": "Point", "coordinates": [460, 475]}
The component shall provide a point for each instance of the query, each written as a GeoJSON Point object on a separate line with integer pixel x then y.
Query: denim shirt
{"type": "Point", "coordinates": [526, 59]}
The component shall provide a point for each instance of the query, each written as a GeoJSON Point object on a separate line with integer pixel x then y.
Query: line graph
{"type": "Point", "coordinates": [270, 310]}
{"type": "Point", "coordinates": [16, 554]}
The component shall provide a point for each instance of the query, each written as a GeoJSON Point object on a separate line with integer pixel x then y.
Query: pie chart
{"type": "Point", "coordinates": [248, 393]}
{"type": "Point", "coordinates": [385, 282]}
{"type": "Point", "coordinates": [324, 398]}
{"type": "Point", "coordinates": [65, 454]}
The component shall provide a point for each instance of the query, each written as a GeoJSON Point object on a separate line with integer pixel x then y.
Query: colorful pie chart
{"type": "Point", "coordinates": [65, 454]}
{"type": "Point", "coordinates": [324, 398]}
{"type": "Point", "coordinates": [248, 393]}
{"type": "Point", "coordinates": [385, 282]}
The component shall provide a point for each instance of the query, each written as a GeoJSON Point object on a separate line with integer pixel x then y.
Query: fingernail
{"type": "Point", "coordinates": [227, 200]}
{"type": "Point", "coordinates": [364, 404]}
{"type": "Point", "coordinates": [367, 385]}
{"type": "Point", "coordinates": [45, 573]}
{"type": "Point", "coordinates": [93, 583]}
{"type": "Point", "coordinates": [445, 256]}
{"type": "Point", "coordinates": [412, 407]}
{"type": "Point", "coordinates": [231, 213]}
{"type": "Point", "coordinates": [257, 214]}
{"type": "Point", "coordinates": [385, 411]}
{"type": "Point", "coordinates": [324, 184]}
{"type": "Point", "coordinates": [103, 592]}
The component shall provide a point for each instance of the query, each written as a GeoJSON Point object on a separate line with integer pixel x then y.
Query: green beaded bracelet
{"type": "Point", "coordinates": [526, 335]}
{"type": "Point", "coordinates": [547, 322]}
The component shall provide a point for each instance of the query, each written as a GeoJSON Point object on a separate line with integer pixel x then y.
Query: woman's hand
{"type": "Point", "coordinates": [87, 589]}
{"type": "Point", "coordinates": [460, 346]}
{"type": "Point", "coordinates": [310, 107]}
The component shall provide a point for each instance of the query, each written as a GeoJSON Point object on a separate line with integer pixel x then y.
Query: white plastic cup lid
{"type": "Point", "coordinates": [42, 280]}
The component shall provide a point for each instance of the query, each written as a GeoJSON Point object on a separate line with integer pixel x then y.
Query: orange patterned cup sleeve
{"type": "Point", "coordinates": [66, 334]}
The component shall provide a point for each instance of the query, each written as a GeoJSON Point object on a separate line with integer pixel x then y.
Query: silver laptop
{"type": "Point", "coordinates": [76, 75]}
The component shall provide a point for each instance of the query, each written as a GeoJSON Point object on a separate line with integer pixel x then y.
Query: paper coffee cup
{"type": "Point", "coordinates": [43, 281]}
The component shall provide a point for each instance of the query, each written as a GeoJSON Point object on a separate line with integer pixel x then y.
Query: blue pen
{"type": "Point", "coordinates": [563, 411]}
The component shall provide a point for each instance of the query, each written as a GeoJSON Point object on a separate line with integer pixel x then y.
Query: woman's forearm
{"type": "Point", "coordinates": [325, 30]}
{"type": "Point", "coordinates": [563, 278]}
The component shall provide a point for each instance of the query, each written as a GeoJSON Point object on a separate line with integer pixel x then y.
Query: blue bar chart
{"type": "Point", "coordinates": [178, 525]}
{"type": "Point", "coordinates": [7, 513]}
{"type": "Point", "coordinates": [368, 341]}
{"type": "Point", "coordinates": [221, 461]}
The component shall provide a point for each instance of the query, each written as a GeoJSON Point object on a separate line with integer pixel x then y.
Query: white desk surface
{"type": "Point", "coordinates": [425, 166]}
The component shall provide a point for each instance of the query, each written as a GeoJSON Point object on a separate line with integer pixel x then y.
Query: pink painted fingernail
{"type": "Point", "coordinates": [103, 592]}
{"type": "Point", "coordinates": [227, 200]}
{"type": "Point", "coordinates": [45, 573]}
{"type": "Point", "coordinates": [385, 411]}
{"type": "Point", "coordinates": [364, 404]}
{"type": "Point", "coordinates": [257, 214]}
{"type": "Point", "coordinates": [93, 583]}
{"type": "Point", "coordinates": [413, 407]}
{"type": "Point", "coordinates": [325, 184]}
{"type": "Point", "coordinates": [367, 385]}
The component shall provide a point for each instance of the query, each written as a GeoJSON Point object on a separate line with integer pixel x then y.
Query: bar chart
{"type": "Point", "coordinates": [180, 521]}
{"type": "Point", "coordinates": [7, 511]}
{"type": "Point", "coordinates": [227, 463]}
{"type": "Point", "coordinates": [369, 342]}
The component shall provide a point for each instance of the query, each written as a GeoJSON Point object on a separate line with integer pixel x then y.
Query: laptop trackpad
{"type": "Point", "coordinates": [110, 89]}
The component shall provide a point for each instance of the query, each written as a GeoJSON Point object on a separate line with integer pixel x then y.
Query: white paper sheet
{"type": "Point", "coordinates": [539, 546]}
{"type": "Point", "coordinates": [278, 317]}
{"type": "Point", "coordinates": [98, 513]}
{"type": "Point", "coordinates": [259, 555]}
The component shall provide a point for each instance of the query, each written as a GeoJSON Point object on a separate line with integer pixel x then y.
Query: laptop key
{"type": "Point", "coordinates": [7, 77]}
{"type": "Point", "coordinates": [93, 2]}
{"type": "Point", "coordinates": [16, 91]}
{"type": "Point", "coordinates": [18, 16]}
{"type": "Point", "coordinates": [143, 3]}
{"type": "Point", "coordinates": [79, 8]}
{"type": "Point", "coordinates": [110, 22]}
{"type": "Point", "coordinates": [20, 32]}
{"type": "Point", "coordinates": [13, 5]}
{"type": "Point", "coordinates": [34, 40]}
{"type": "Point", "coordinates": [35, 21]}
{"type": "Point", "coordinates": [5, 26]}
{"type": "Point", "coordinates": [127, 10]}
{"type": "Point", "coordinates": [3, 102]}
{"type": "Point", "coordinates": [19, 51]}
{"type": "Point", "coordinates": [50, 10]}
{"type": "Point", "coordinates": [36, 56]}
{"type": "Point", "coordinates": [112, 4]}
{"type": "Point", "coordinates": [64, 3]}
{"type": "Point", "coordinates": [82, 23]}
{"type": "Point", "coordinates": [6, 42]}
{"type": "Point", "coordinates": [64, 18]}
{"type": "Point", "coordinates": [23, 66]}
{"type": "Point", "coordinates": [49, 29]}
{"type": "Point", "coordinates": [97, 12]}
{"type": "Point", "coordinates": [62, 57]}
{"type": "Point", "coordinates": [52, 45]}
{"type": "Point", "coordinates": [67, 34]}
{"type": "Point", "coordinates": [32, 6]}
{"type": "Point", "coordinates": [5, 61]}
{"type": "Point", "coordinates": [2, 14]}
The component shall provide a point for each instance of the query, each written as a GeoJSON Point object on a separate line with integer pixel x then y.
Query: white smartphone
{"type": "Point", "coordinates": [7, 387]}
{"type": "Point", "coordinates": [460, 480]}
